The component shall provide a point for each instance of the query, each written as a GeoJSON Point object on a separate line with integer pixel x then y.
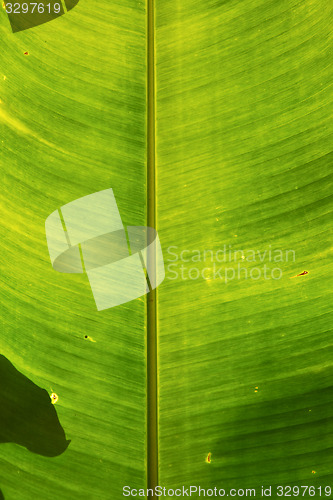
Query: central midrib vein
{"type": "Point", "coordinates": [152, 372]}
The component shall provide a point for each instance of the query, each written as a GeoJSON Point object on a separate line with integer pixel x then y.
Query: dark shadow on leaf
{"type": "Point", "coordinates": [70, 4]}
{"type": "Point", "coordinates": [1, 496]}
{"type": "Point", "coordinates": [27, 416]}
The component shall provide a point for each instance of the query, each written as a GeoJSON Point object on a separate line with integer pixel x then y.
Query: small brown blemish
{"type": "Point", "coordinates": [313, 472]}
{"type": "Point", "coordinates": [26, 53]}
{"type": "Point", "coordinates": [301, 274]}
{"type": "Point", "coordinates": [209, 458]}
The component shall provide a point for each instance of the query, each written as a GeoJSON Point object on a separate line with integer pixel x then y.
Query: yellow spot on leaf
{"type": "Point", "coordinates": [313, 472]}
{"type": "Point", "coordinates": [54, 398]}
{"type": "Point", "coordinates": [89, 338]}
{"type": "Point", "coordinates": [208, 458]}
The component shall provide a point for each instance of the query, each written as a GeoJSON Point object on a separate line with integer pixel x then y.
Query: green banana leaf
{"type": "Point", "coordinates": [242, 136]}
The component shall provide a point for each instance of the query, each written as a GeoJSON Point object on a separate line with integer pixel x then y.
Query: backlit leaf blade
{"type": "Point", "coordinates": [244, 161]}
{"type": "Point", "coordinates": [72, 122]}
